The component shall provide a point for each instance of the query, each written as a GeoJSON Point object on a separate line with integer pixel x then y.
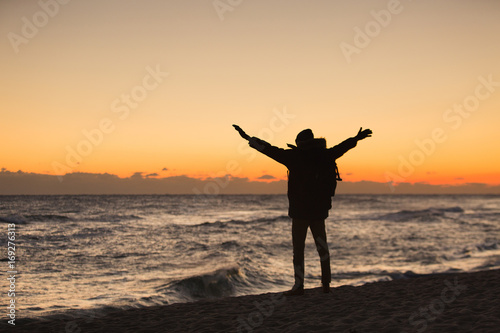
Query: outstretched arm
{"type": "Point", "coordinates": [350, 143]}
{"type": "Point", "coordinates": [264, 147]}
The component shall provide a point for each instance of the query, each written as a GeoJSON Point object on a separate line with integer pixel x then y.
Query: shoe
{"type": "Point", "coordinates": [295, 291]}
{"type": "Point", "coordinates": [326, 288]}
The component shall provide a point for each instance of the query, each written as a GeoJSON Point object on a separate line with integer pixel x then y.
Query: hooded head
{"type": "Point", "coordinates": [303, 136]}
{"type": "Point", "coordinates": [305, 140]}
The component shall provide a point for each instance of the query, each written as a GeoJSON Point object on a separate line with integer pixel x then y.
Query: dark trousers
{"type": "Point", "coordinates": [299, 233]}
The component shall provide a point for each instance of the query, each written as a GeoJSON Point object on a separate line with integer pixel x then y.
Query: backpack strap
{"type": "Point", "coordinates": [337, 173]}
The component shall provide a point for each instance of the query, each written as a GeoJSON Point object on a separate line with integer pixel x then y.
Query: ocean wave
{"type": "Point", "coordinates": [35, 218]}
{"type": "Point", "coordinates": [12, 219]}
{"type": "Point", "coordinates": [64, 218]}
{"type": "Point", "coordinates": [357, 278]}
{"type": "Point", "coordinates": [484, 216]}
{"type": "Point", "coordinates": [487, 245]}
{"type": "Point", "coordinates": [258, 220]}
{"type": "Point", "coordinates": [218, 283]}
{"type": "Point", "coordinates": [47, 218]}
{"type": "Point", "coordinates": [356, 199]}
{"type": "Point", "coordinates": [229, 245]}
{"type": "Point", "coordinates": [112, 218]}
{"type": "Point", "coordinates": [423, 215]}
{"type": "Point", "coordinates": [490, 263]}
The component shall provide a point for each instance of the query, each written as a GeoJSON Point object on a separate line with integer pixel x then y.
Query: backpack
{"type": "Point", "coordinates": [327, 178]}
{"type": "Point", "coordinates": [324, 177]}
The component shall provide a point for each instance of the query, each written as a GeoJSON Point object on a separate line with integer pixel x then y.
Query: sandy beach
{"type": "Point", "coordinates": [462, 302]}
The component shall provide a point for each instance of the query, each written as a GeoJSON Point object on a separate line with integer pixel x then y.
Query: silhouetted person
{"type": "Point", "coordinates": [312, 176]}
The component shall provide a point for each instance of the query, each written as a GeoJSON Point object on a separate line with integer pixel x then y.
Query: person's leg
{"type": "Point", "coordinates": [319, 234]}
{"type": "Point", "coordinates": [299, 233]}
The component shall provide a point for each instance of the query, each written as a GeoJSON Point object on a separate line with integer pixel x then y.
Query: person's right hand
{"type": "Point", "coordinates": [363, 134]}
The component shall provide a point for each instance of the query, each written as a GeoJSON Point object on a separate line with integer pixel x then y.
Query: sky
{"type": "Point", "coordinates": [148, 91]}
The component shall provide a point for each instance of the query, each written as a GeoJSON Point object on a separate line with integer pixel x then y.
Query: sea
{"type": "Point", "coordinates": [77, 253]}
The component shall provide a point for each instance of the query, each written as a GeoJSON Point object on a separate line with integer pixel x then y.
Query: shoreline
{"type": "Point", "coordinates": [448, 302]}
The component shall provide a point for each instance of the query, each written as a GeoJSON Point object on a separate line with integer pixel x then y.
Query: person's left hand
{"type": "Point", "coordinates": [363, 134]}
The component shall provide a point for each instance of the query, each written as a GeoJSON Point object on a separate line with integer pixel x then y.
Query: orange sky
{"type": "Point", "coordinates": [122, 87]}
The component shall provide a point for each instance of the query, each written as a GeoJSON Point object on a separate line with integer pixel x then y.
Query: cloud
{"type": "Point", "coordinates": [266, 177]}
{"type": "Point", "coordinates": [164, 169]}
{"type": "Point", "coordinates": [96, 183]}
{"type": "Point", "coordinates": [152, 175]}
{"type": "Point", "coordinates": [137, 175]}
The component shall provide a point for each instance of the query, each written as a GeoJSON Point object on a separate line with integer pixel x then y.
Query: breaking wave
{"type": "Point", "coordinates": [219, 283]}
{"type": "Point", "coordinates": [423, 215]}
{"type": "Point", "coordinates": [258, 220]}
{"type": "Point", "coordinates": [64, 218]}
